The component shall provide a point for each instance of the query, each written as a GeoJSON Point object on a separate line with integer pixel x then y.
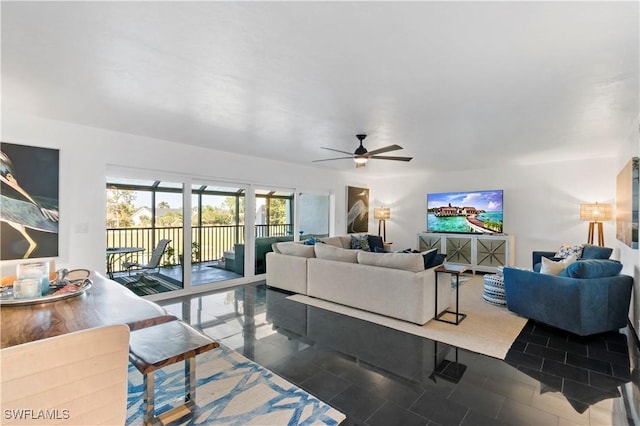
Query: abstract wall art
{"type": "Point", "coordinates": [627, 185]}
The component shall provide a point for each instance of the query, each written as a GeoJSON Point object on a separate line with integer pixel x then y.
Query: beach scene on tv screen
{"type": "Point", "coordinates": [477, 212]}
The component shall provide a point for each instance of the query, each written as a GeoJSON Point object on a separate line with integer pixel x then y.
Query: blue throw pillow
{"type": "Point", "coordinates": [375, 243]}
{"type": "Point", "coordinates": [380, 250]}
{"type": "Point", "coordinates": [311, 241]}
{"type": "Point", "coordinates": [592, 268]}
{"type": "Point", "coordinates": [596, 252]}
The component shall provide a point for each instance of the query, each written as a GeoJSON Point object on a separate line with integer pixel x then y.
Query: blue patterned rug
{"type": "Point", "coordinates": [231, 390]}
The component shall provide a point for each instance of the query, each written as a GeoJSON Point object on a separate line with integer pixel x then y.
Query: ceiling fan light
{"type": "Point", "coordinates": [360, 160]}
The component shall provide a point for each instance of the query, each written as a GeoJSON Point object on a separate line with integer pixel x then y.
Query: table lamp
{"type": "Point", "coordinates": [595, 213]}
{"type": "Point", "coordinates": [382, 214]}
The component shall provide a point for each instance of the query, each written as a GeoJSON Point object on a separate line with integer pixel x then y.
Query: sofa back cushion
{"type": "Point", "coordinates": [413, 262]}
{"type": "Point", "coordinates": [329, 252]}
{"type": "Point", "coordinates": [295, 249]}
{"type": "Point", "coordinates": [332, 241]}
{"type": "Point", "coordinates": [596, 252]}
{"type": "Point", "coordinates": [592, 268]}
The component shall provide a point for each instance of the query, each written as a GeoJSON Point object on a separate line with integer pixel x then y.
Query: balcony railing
{"type": "Point", "coordinates": [209, 242]}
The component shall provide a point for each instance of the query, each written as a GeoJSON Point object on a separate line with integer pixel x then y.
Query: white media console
{"type": "Point", "coordinates": [479, 252]}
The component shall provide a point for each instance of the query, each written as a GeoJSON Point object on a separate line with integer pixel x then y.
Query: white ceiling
{"type": "Point", "coordinates": [457, 84]}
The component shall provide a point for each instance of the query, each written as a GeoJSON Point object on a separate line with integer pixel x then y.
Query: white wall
{"type": "Point", "coordinates": [541, 202]}
{"type": "Point", "coordinates": [87, 153]}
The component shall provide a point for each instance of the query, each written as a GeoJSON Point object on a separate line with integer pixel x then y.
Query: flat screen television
{"type": "Point", "coordinates": [468, 212]}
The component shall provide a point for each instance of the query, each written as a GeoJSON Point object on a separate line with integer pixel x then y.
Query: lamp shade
{"type": "Point", "coordinates": [596, 212]}
{"type": "Point", "coordinates": [382, 213]}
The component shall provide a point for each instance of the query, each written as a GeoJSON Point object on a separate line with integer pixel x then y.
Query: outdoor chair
{"type": "Point", "coordinates": [154, 262]}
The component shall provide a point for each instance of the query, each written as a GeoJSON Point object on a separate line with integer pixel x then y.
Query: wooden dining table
{"type": "Point", "coordinates": [106, 302]}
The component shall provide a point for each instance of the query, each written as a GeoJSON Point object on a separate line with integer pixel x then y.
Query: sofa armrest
{"type": "Point", "coordinates": [538, 255]}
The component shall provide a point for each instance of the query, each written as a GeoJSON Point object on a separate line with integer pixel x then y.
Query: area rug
{"type": "Point", "coordinates": [151, 284]}
{"type": "Point", "coordinates": [231, 390]}
{"type": "Point", "coordinates": [487, 329]}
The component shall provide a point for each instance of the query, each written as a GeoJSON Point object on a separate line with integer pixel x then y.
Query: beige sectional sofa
{"type": "Point", "coordinates": [390, 284]}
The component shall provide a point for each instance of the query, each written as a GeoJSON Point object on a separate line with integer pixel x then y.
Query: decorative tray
{"type": "Point", "coordinates": [77, 278]}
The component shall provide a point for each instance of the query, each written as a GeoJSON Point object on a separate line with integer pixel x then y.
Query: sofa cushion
{"type": "Point", "coordinates": [596, 252]}
{"type": "Point", "coordinates": [413, 262]}
{"type": "Point", "coordinates": [295, 249]}
{"type": "Point", "coordinates": [592, 268]}
{"type": "Point", "coordinates": [375, 243]}
{"type": "Point", "coordinates": [332, 241]}
{"type": "Point", "coordinates": [345, 240]}
{"type": "Point", "coordinates": [360, 242]}
{"type": "Point", "coordinates": [329, 252]}
{"type": "Point", "coordinates": [550, 267]}
{"type": "Point", "coordinates": [567, 250]}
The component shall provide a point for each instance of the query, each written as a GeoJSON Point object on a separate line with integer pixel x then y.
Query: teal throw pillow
{"type": "Point", "coordinates": [596, 252]}
{"type": "Point", "coordinates": [592, 268]}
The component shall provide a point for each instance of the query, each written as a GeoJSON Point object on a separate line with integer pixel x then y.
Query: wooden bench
{"type": "Point", "coordinates": [162, 345]}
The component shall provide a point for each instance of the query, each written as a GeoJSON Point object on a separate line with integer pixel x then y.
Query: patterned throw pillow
{"type": "Point", "coordinates": [360, 243]}
{"type": "Point", "coordinates": [567, 250]}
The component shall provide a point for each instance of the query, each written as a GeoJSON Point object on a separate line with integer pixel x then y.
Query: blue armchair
{"type": "Point", "coordinates": [589, 297]}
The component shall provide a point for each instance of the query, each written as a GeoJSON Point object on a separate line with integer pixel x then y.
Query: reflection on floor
{"type": "Point", "coordinates": [380, 376]}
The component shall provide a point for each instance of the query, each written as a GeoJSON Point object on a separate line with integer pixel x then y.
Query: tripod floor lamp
{"type": "Point", "coordinates": [382, 214]}
{"type": "Point", "coordinates": [595, 214]}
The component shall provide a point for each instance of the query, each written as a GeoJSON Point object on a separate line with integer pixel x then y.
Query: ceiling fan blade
{"type": "Point", "coordinates": [386, 157]}
{"type": "Point", "coordinates": [384, 149]}
{"type": "Point", "coordinates": [329, 159]}
{"type": "Point", "coordinates": [337, 150]}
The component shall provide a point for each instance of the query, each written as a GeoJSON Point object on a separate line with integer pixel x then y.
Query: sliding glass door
{"type": "Point", "coordinates": [217, 233]}
{"type": "Point", "coordinates": [144, 227]}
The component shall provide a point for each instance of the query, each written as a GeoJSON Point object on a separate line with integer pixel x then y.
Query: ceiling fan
{"type": "Point", "coordinates": [361, 155]}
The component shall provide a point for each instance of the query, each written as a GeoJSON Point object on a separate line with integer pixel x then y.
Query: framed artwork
{"type": "Point", "coordinates": [29, 194]}
{"type": "Point", "coordinates": [357, 209]}
{"type": "Point", "coordinates": [627, 185]}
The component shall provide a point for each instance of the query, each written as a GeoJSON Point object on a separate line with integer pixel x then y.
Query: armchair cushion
{"type": "Point", "coordinates": [592, 268]}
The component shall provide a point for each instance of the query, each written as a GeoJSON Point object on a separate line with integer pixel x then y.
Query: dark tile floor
{"type": "Point", "coordinates": [380, 376]}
